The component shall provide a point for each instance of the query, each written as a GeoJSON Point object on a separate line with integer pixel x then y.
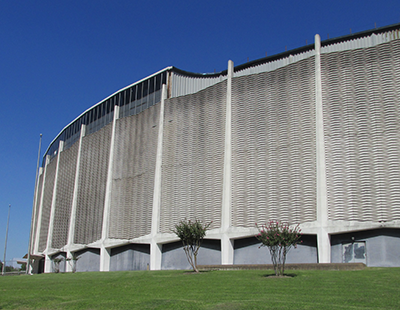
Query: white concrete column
{"type": "Point", "coordinates": [323, 241]}
{"type": "Point", "coordinates": [226, 243]}
{"type": "Point", "coordinates": [48, 266]}
{"type": "Point", "coordinates": [105, 253]}
{"type": "Point", "coordinates": [35, 211]}
{"type": "Point", "coordinates": [39, 221]}
{"type": "Point", "coordinates": [53, 201]}
{"type": "Point", "coordinates": [72, 220]}
{"type": "Point", "coordinates": [324, 246]}
{"type": "Point", "coordinates": [69, 262]}
{"type": "Point", "coordinates": [227, 250]}
{"type": "Point", "coordinates": [105, 258]}
{"type": "Point", "coordinates": [155, 249]}
{"type": "Point", "coordinates": [155, 256]}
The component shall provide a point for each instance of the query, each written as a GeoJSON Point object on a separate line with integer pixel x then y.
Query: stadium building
{"type": "Point", "coordinates": [310, 136]}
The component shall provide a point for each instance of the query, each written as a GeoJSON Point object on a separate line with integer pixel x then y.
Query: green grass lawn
{"type": "Point", "coordinates": [372, 288]}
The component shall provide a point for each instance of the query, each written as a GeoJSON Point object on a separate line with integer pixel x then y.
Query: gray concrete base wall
{"type": "Point", "coordinates": [88, 260]}
{"type": "Point", "coordinates": [247, 251]}
{"type": "Point", "coordinates": [174, 257]}
{"type": "Point", "coordinates": [38, 265]}
{"type": "Point", "coordinates": [62, 265]}
{"type": "Point", "coordinates": [382, 246]}
{"type": "Point", "coordinates": [130, 257]}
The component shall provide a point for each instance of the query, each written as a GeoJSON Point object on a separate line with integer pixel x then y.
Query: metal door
{"type": "Point", "coordinates": [354, 252]}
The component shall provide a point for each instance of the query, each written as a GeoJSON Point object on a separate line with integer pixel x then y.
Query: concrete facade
{"type": "Point", "coordinates": [308, 137]}
{"type": "Point", "coordinates": [130, 257]}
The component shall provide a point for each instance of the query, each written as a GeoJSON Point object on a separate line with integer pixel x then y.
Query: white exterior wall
{"type": "Point", "coordinates": [322, 227]}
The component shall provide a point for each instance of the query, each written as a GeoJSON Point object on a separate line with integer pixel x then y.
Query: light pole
{"type": "Point", "coordinates": [5, 244]}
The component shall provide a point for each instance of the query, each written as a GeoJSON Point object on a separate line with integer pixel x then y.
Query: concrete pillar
{"type": "Point", "coordinates": [39, 221]}
{"type": "Point", "coordinates": [226, 250]}
{"type": "Point", "coordinates": [226, 244]}
{"type": "Point", "coordinates": [324, 246]}
{"type": "Point", "coordinates": [47, 264]}
{"type": "Point", "coordinates": [30, 266]}
{"type": "Point", "coordinates": [155, 256]}
{"type": "Point", "coordinates": [69, 262]}
{"type": "Point", "coordinates": [105, 258]}
{"type": "Point", "coordinates": [53, 201]}
{"type": "Point", "coordinates": [105, 253]}
{"type": "Point", "coordinates": [155, 251]}
{"type": "Point", "coordinates": [71, 232]}
{"type": "Point", "coordinates": [324, 249]}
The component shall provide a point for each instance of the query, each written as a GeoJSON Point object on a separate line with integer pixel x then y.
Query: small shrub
{"type": "Point", "coordinates": [279, 238]}
{"type": "Point", "coordinates": [191, 235]}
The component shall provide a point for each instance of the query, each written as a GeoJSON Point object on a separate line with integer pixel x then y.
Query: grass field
{"type": "Point", "coordinates": [372, 288]}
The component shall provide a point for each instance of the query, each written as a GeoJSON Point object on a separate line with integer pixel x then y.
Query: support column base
{"type": "Point", "coordinates": [226, 250]}
{"type": "Point", "coordinates": [155, 256]}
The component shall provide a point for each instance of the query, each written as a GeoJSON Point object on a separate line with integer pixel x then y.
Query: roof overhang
{"type": "Point", "coordinates": [33, 256]}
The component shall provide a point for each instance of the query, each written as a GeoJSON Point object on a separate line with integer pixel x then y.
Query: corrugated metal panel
{"type": "Point", "coordinates": [362, 137]}
{"type": "Point", "coordinates": [273, 146]}
{"type": "Point", "coordinates": [193, 157]}
{"type": "Point", "coordinates": [365, 42]}
{"type": "Point", "coordinates": [92, 185]}
{"type": "Point", "coordinates": [47, 200]}
{"type": "Point", "coordinates": [64, 196]}
{"type": "Point", "coordinates": [182, 85]}
{"type": "Point", "coordinates": [133, 174]}
{"type": "Point", "coordinates": [276, 64]}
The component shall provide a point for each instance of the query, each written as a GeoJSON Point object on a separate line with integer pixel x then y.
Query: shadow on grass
{"type": "Point", "coordinates": [285, 275]}
{"type": "Point", "coordinates": [193, 272]}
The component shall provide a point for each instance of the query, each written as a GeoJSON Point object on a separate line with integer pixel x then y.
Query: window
{"type": "Point", "coordinates": [151, 85]}
{"type": "Point", "coordinates": [108, 106]}
{"type": "Point", "coordinates": [139, 91]}
{"type": "Point", "coordinates": [145, 88]}
{"type": "Point", "coordinates": [158, 82]}
{"type": "Point", "coordinates": [133, 93]}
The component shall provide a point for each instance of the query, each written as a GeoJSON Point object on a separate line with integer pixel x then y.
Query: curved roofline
{"type": "Point", "coordinates": [199, 75]}
{"type": "Point", "coordinates": [360, 34]}
{"type": "Point", "coordinates": [101, 101]}
{"type": "Point", "coordinates": [241, 67]}
{"type": "Point", "coordinates": [309, 47]}
{"type": "Point", "coordinates": [294, 51]}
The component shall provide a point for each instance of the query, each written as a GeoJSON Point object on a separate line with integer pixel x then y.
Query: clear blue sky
{"type": "Point", "coordinates": [58, 58]}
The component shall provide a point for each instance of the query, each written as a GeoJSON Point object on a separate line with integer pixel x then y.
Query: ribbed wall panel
{"type": "Point", "coordinates": [92, 185]}
{"type": "Point", "coordinates": [47, 199]}
{"type": "Point", "coordinates": [133, 174]}
{"type": "Point", "coordinates": [273, 146]}
{"type": "Point", "coordinates": [37, 209]}
{"type": "Point", "coordinates": [193, 157]}
{"type": "Point", "coordinates": [64, 196]}
{"type": "Point", "coordinates": [362, 134]}
{"type": "Point", "coordinates": [364, 42]}
{"type": "Point", "coordinates": [274, 65]}
{"type": "Point", "coordinates": [182, 85]}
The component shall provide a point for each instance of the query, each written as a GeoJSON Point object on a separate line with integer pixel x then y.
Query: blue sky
{"type": "Point", "coordinates": [58, 58]}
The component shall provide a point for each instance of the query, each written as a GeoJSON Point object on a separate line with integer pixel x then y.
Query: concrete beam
{"type": "Point", "coordinates": [71, 231]}
{"type": "Point", "coordinates": [226, 244]}
{"type": "Point", "coordinates": [105, 253]}
{"type": "Point", "coordinates": [54, 198]}
{"type": "Point", "coordinates": [324, 248]}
